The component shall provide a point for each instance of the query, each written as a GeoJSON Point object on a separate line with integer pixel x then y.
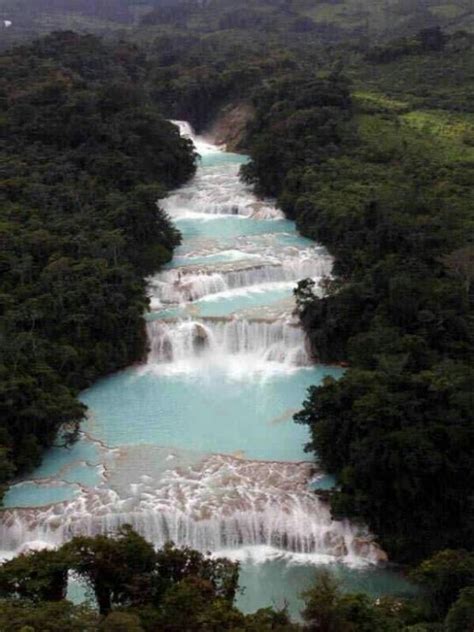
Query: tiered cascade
{"type": "Point", "coordinates": [212, 502]}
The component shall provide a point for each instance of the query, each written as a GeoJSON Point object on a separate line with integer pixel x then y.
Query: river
{"type": "Point", "coordinates": [197, 445]}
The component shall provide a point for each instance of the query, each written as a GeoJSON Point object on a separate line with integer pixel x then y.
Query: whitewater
{"type": "Point", "coordinates": [197, 445]}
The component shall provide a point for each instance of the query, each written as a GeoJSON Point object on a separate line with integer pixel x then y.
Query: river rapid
{"type": "Point", "coordinates": [197, 445]}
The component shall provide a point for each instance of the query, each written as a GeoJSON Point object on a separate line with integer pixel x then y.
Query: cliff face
{"type": "Point", "coordinates": [229, 129]}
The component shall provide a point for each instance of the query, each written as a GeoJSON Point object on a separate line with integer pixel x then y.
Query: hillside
{"type": "Point", "coordinates": [302, 20]}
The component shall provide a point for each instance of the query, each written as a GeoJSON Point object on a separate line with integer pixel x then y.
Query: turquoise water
{"type": "Point", "coordinates": [79, 464]}
{"type": "Point", "coordinates": [277, 583]}
{"type": "Point", "coordinates": [325, 482]}
{"type": "Point", "coordinates": [232, 302]}
{"type": "Point", "coordinates": [221, 257]}
{"type": "Point", "coordinates": [60, 459]}
{"type": "Point", "coordinates": [34, 495]}
{"type": "Point", "coordinates": [251, 417]}
{"type": "Point", "coordinates": [214, 159]}
{"type": "Point", "coordinates": [277, 238]}
{"type": "Point", "coordinates": [244, 298]}
{"type": "Point", "coordinates": [205, 441]}
{"type": "Point", "coordinates": [227, 228]}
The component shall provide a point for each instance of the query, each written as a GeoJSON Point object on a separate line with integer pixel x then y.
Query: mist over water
{"type": "Point", "coordinates": [198, 444]}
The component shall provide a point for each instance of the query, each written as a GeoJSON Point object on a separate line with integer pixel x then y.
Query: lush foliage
{"type": "Point", "coordinates": [392, 200]}
{"type": "Point", "coordinates": [86, 155]}
{"type": "Point", "coordinates": [307, 20]}
{"type": "Point", "coordinates": [134, 586]}
{"type": "Point", "coordinates": [138, 589]}
{"type": "Point", "coordinates": [443, 577]}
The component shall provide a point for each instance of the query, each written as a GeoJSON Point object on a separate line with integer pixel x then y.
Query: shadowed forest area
{"type": "Point", "coordinates": [327, 20]}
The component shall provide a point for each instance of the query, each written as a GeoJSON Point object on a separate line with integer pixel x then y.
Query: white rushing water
{"type": "Point", "coordinates": [222, 503]}
{"type": "Point", "coordinates": [189, 284]}
{"type": "Point", "coordinates": [179, 341]}
{"type": "Point", "coordinates": [175, 439]}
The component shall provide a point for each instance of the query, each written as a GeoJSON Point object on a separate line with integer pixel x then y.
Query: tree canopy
{"type": "Point", "coordinates": [86, 155]}
{"type": "Point", "coordinates": [136, 588]}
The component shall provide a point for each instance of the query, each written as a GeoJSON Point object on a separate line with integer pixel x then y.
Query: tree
{"type": "Point", "coordinates": [87, 155]}
{"type": "Point", "coordinates": [321, 605]}
{"type": "Point", "coordinates": [460, 617]}
{"type": "Point", "coordinates": [38, 576]}
{"type": "Point", "coordinates": [118, 569]}
{"type": "Point", "coordinates": [327, 609]}
{"type": "Point", "coordinates": [432, 39]}
{"type": "Point", "coordinates": [121, 622]}
{"type": "Point", "coordinates": [173, 564]}
{"type": "Point", "coordinates": [460, 264]}
{"type": "Point", "coordinates": [443, 576]}
{"type": "Point", "coordinates": [58, 616]}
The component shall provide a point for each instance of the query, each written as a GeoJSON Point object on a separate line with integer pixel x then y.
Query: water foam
{"type": "Point", "coordinates": [190, 283]}
{"type": "Point", "coordinates": [220, 504]}
{"type": "Point", "coordinates": [211, 339]}
{"type": "Point", "coordinates": [216, 190]}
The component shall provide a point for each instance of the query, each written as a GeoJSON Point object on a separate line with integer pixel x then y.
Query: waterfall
{"type": "Point", "coordinates": [185, 129]}
{"type": "Point", "coordinates": [191, 284]}
{"type": "Point", "coordinates": [221, 503]}
{"type": "Point", "coordinates": [176, 287]}
{"type": "Point", "coordinates": [221, 202]}
{"type": "Point", "coordinates": [216, 190]}
{"type": "Point", "coordinates": [277, 341]}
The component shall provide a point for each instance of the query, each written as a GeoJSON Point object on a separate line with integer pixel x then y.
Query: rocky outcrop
{"type": "Point", "coordinates": [201, 337]}
{"type": "Point", "coordinates": [229, 128]}
{"type": "Point", "coordinates": [364, 547]}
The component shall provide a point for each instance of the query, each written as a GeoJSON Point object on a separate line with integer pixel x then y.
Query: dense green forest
{"type": "Point", "coordinates": [383, 177]}
{"type": "Point", "coordinates": [134, 588]}
{"type": "Point", "coordinates": [85, 156]}
{"type": "Point", "coordinates": [289, 20]}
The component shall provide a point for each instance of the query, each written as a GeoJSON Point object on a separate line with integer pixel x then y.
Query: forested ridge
{"type": "Point", "coordinates": [383, 177]}
{"type": "Point", "coordinates": [85, 156]}
{"type": "Point", "coordinates": [289, 21]}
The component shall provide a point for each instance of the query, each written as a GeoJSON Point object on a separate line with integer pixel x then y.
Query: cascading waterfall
{"type": "Point", "coordinates": [215, 502]}
{"type": "Point", "coordinates": [255, 504]}
{"type": "Point", "coordinates": [216, 190]}
{"type": "Point", "coordinates": [190, 284]}
{"type": "Point", "coordinates": [278, 341]}
{"type": "Point", "coordinates": [224, 202]}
